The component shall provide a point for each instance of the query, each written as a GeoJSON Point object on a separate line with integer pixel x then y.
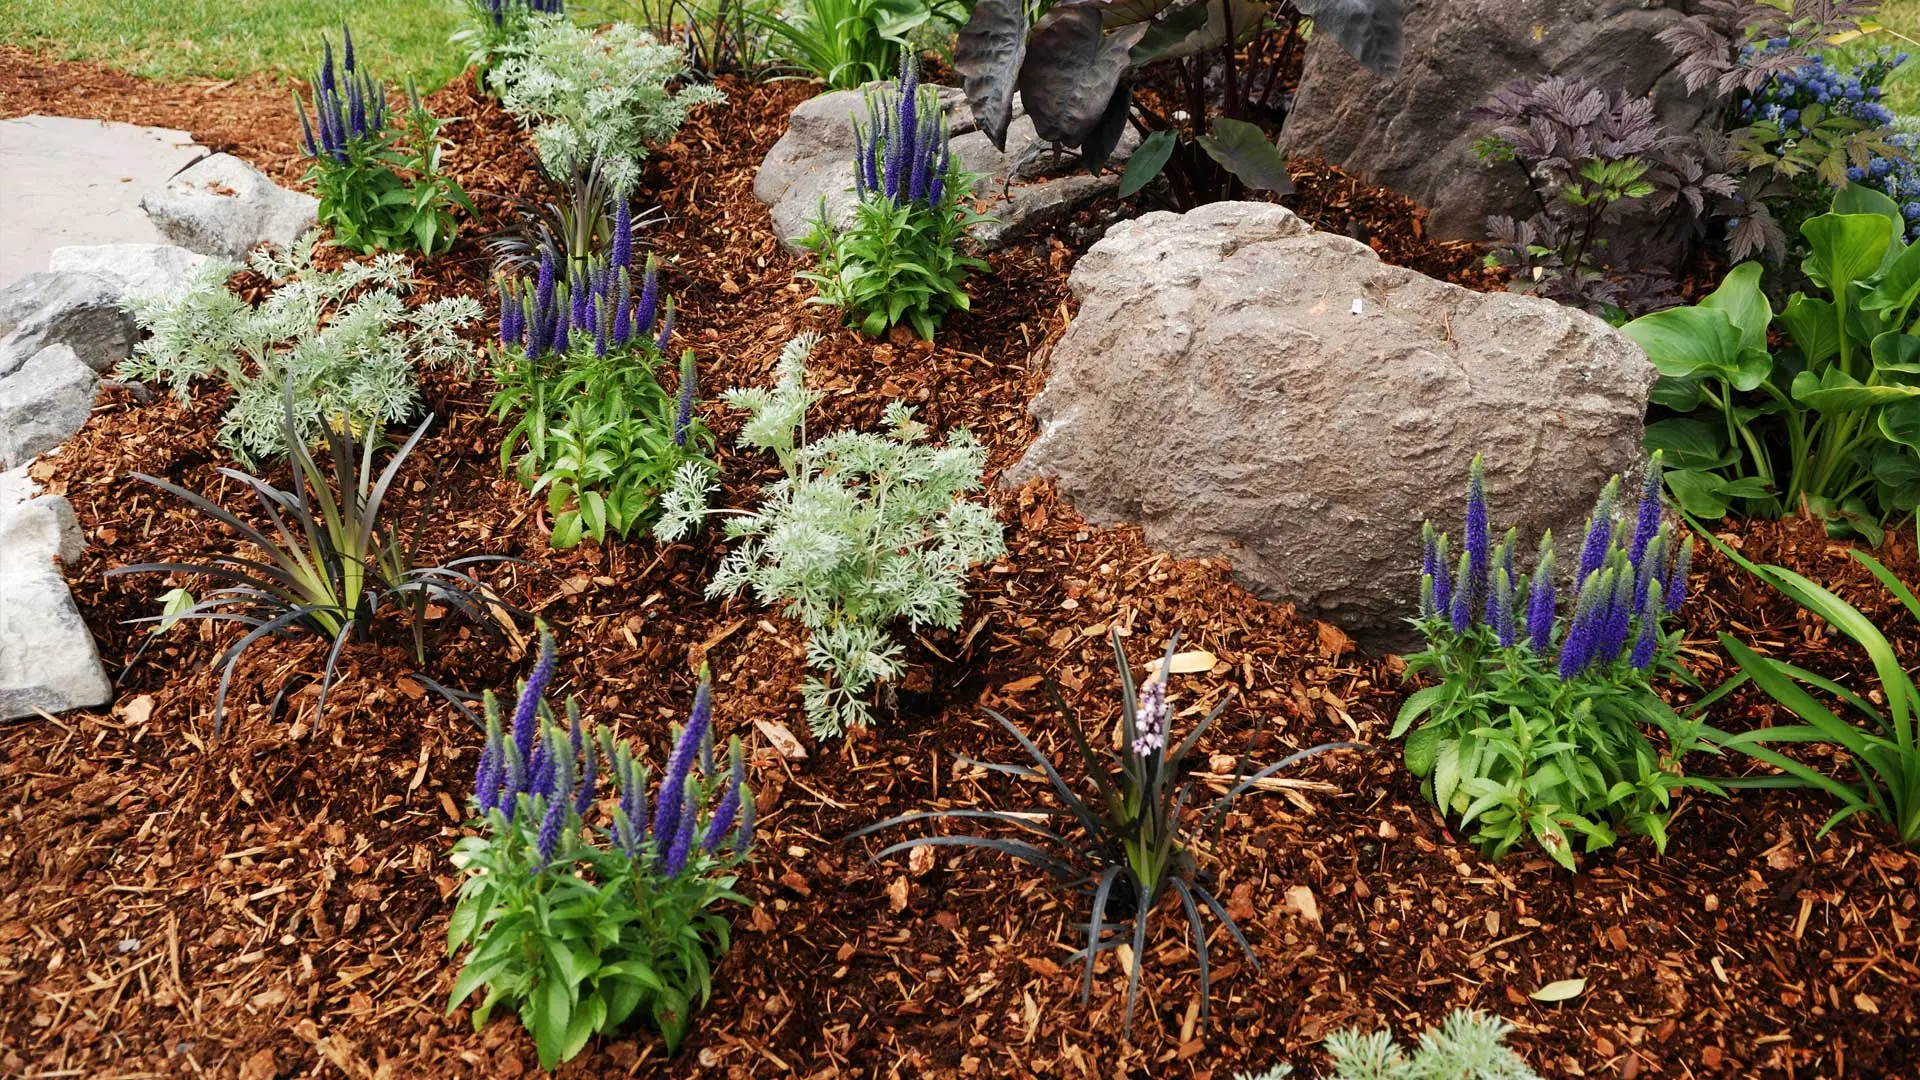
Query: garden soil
{"type": "Point", "coordinates": [274, 902]}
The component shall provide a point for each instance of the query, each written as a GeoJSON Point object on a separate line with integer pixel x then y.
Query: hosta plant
{"type": "Point", "coordinates": [1537, 727]}
{"type": "Point", "coordinates": [583, 914]}
{"type": "Point", "coordinates": [1467, 1046]}
{"type": "Point", "coordinates": [344, 338]}
{"type": "Point", "coordinates": [362, 162]}
{"type": "Point", "coordinates": [321, 557]}
{"type": "Point", "coordinates": [578, 373]}
{"type": "Point", "coordinates": [900, 260]}
{"type": "Point", "coordinates": [595, 98]}
{"type": "Point", "coordinates": [1828, 421]}
{"type": "Point", "coordinates": [862, 531]}
{"type": "Point", "coordinates": [1883, 750]}
{"type": "Point", "coordinates": [1129, 844]}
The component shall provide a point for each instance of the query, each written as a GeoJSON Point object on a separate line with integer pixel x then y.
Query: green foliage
{"type": "Point", "coordinates": [1831, 421]}
{"type": "Point", "coordinates": [1468, 1046]}
{"type": "Point", "coordinates": [1885, 753]}
{"type": "Point", "coordinates": [848, 43]}
{"type": "Point", "coordinates": [863, 530]}
{"type": "Point", "coordinates": [367, 200]}
{"type": "Point", "coordinates": [494, 26]}
{"type": "Point", "coordinates": [897, 262]}
{"type": "Point", "coordinates": [582, 928]}
{"type": "Point", "coordinates": [1519, 743]}
{"type": "Point", "coordinates": [1128, 840]}
{"type": "Point", "coordinates": [595, 96]}
{"type": "Point", "coordinates": [343, 338]}
{"type": "Point", "coordinates": [597, 434]}
{"type": "Point", "coordinates": [327, 563]}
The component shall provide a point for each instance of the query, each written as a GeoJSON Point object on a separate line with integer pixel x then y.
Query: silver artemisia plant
{"type": "Point", "coordinates": [1130, 844]}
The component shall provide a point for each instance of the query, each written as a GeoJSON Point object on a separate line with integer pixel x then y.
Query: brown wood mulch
{"type": "Point", "coordinates": [275, 903]}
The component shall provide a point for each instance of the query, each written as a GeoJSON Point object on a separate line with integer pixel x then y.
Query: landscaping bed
{"type": "Point", "coordinates": [275, 902]}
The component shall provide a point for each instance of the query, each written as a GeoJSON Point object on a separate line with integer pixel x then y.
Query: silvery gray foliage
{"type": "Point", "coordinates": [1468, 1046]}
{"type": "Point", "coordinates": [864, 529]}
{"type": "Point", "coordinates": [343, 337]}
{"type": "Point", "coordinates": [595, 96]}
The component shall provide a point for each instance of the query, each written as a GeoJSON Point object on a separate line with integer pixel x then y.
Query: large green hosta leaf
{"type": "Point", "coordinates": [1846, 248]}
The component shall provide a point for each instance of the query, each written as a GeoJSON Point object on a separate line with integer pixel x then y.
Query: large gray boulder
{"type": "Point", "coordinates": [1243, 386]}
{"type": "Point", "coordinates": [48, 660]}
{"type": "Point", "coordinates": [1409, 133]}
{"type": "Point", "coordinates": [130, 269]}
{"type": "Point", "coordinates": [223, 206]}
{"type": "Point", "coordinates": [44, 403]}
{"type": "Point", "coordinates": [68, 181]}
{"type": "Point", "coordinates": [814, 161]}
{"type": "Point", "coordinates": [80, 311]}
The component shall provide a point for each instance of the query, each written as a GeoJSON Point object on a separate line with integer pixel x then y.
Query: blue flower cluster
{"type": "Point", "coordinates": [1855, 92]}
{"type": "Point", "coordinates": [549, 773]}
{"type": "Point", "coordinates": [348, 109]}
{"type": "Point", "coordinates": [594, 303]}
{"type": "Point", "coordinates": [902, 152]}
{"type": "Point", "coordinates": [1899, 179]}
{"type": "Point", "coordinates": [1626, 583]}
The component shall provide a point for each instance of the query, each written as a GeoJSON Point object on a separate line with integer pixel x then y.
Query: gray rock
{"type": "Point", "coordinates": [44, 403]}
{"type": "Point", "coordinates": [1242, 386]}
{"type": "Point", "coordinates": [131, 269]}
{"type": "Point", "coordinates": [1409, 133]}
{"type": "Point", "coordinates": [48, 660]}
{"type": "Point", "coordinates": [70, 181]}
{"type": "Point", "coordinates": [814, 161]}
{"type": "Point", "coordinates": [223, 206]}
{"type": "Point", "coordinates": [80, 311]}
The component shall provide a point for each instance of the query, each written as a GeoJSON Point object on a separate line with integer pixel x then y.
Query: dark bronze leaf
{"type": "Point", "coordinates": [987, 55]}
{"type": "Point", "coordinates": [1072, 72]}
{"type": "Point", "coordinates": [1107, 131]}
{"type": "Point", "coordinates": [1243, 150]}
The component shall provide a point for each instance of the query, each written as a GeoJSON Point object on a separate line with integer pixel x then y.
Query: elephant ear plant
{"type": "Point", "coordinates": [325, 561]}
{"type": "Point", "coordinates": [1829, 421]}
{"type": "Point", "coordinates": [1075, 69]}
{"type": "Point", "coordinates": [1536, 727]}
{"type": "Point", "coordinates": [582, 916]}
{"type": "Point", "coordinates": [1128, 845]}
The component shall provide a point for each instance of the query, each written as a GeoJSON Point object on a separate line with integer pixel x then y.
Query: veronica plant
{"type": "Point", "coordinates": [344, 337]}
{"type": "Point", "coordinates": [1129, 845]}
{"type": "Point", "coordinates": [572, 226]}
{"type": "Point", "coordinates": [361, 158]}
{"type": "Point", "coordinates": [1884, 752]}
{"type": "Point", "coordinates": [326, 561]}
{"type": "Point", "coordinates": [595, 99]}
{"type": "Point", "coordinates": [497, 25]}
{"type": "Point", "coordinates": [1467, 1046]}
{"type": "Point", "coordinates": [578, 373]}
{"type": "Point", "coordinates": [1831, 421]}
{"type": "Point", "coordinates": [900, 259]}
{"type": "Point", "coordinates": [582, 914]}
{"type": "Point", "coordinates": [862, 531]}
{"type": "Point", "coordinates": [1537, 727]}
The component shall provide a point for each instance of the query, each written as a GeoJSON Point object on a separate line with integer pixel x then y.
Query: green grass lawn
{"type": "Point", "coordinates": [230, 38]}
{"type": "Point", "coordinates": [1901, 18]}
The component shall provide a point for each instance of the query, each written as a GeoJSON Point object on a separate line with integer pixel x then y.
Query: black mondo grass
{"type": "Point", "coordinates": [328, 566]}
{"type": "Point", "coordinates": [1121, 847]}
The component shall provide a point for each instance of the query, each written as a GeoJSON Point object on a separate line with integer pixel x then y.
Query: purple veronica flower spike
{"type": "Point", "coordinates": [666, 328]}
{"type": "Point", "coordinates": [728, 810]}
{"type": "Point", "coordinates": [1577, 649]}
{"type": "Point", "coordinates": [1503, 607]}
{"type": "Point", "coordinates": [1599, 530]}
{"type": "Point", "coordinates": [673, 784]}
{"type": "Point", "coordinates": [683, 412]}
{"type": "Point", "coordinates": [1676, 588]}
{"type": "Point", "coordinates": [622, 256]}
{"type": "Point", "coordinates": [682, 844]}
{"type": "Point", "coordinates": [1647, 521]}
{"type": "Point", "coordinates": [1649, 639]}
{"type": "Point", "coordinates": [1462, 613]}
{"type": "Point", "coordinates": [1479, 555]}
{"type": "Point", "coordinates": [649, 298]}
{"type": "Point", "coordinates": [486, 779]}
{"type": "Point", "coordinates": [527, 709]}
{"type": "Point", "coordinates": [1540, 599]}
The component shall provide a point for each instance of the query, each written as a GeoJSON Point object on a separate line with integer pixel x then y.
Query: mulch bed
{"type": "Point", "coordinates": [274, 903]}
